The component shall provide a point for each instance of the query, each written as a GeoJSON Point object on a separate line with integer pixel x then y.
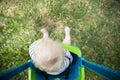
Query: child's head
{"type": "Point", "coordinates": [48, 55]}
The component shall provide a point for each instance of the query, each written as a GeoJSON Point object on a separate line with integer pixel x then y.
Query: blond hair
{"type": "Point", "coordinates": [48, 55]}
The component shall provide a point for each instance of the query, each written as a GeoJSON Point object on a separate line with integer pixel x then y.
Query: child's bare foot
{"type": "Point", "coordinates": [67, 39]}
{"type": "Point", "coordinates": [45, 32]}
{"type": "Point", "coordinates": [67, 30]}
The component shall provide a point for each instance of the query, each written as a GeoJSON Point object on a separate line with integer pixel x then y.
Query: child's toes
{"type": "Point", "coordinates": [43, 30]}
{"type": "Point", "coordinates": [67, 29]}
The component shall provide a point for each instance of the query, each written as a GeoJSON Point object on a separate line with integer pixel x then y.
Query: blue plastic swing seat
{"type": "Point", "coordinates": [76, 69]}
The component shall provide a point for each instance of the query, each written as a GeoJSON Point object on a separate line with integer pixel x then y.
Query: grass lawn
{"type": "Point", "coordinates": [95, 29]}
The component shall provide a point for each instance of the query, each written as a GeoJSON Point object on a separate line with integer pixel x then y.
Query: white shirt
{"type": "Point", "coordinates": [68, 59]}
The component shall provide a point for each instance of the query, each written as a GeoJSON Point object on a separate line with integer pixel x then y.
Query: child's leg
{"type": "Point", "coordinates": [67, 39]}
{"type": "Point", "coordinates": [45, 32]}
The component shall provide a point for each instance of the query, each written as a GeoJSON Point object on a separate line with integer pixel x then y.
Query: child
{"type": "Point", "coordinates": [49, 56]}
